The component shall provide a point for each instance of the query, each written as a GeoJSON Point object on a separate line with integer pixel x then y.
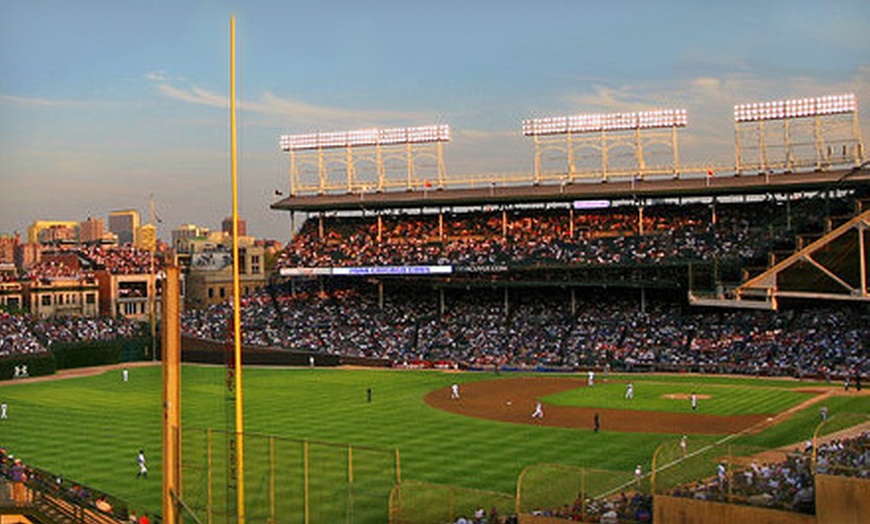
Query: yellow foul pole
{"type": "Point", "coordinates": [171, 395]}
{"type": "Point", "coordinates": [237, 304]}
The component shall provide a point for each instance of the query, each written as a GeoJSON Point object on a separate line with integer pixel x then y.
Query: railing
{"type": "Point", "coordinates": [339, 184]}
{"type": "Point", "coordinates": [34, 498]}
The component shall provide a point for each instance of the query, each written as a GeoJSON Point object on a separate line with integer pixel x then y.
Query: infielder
{"type": "Point", "coordinates": [454, 391]}
{"type": "Point", "coordinates": [539, 410]}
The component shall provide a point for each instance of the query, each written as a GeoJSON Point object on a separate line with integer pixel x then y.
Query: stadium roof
{"type": "Point", "coordinates": [587, 190]}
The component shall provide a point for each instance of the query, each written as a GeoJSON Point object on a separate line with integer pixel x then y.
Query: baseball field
{"type": "Point", "coordinates": [90, 426]}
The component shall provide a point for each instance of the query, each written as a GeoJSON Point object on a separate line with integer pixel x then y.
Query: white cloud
{"type": "Point", "coordinates": [303, 114]}
{"type": "Point", "coordinates": [12, 100]}
{"type": "Point", "coordinates": [193, 95]}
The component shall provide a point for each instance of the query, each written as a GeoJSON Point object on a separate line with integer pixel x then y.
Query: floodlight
{"type": "Point", "coordinates": [796, 108]}
{"type": "Point", "coordinates": [365, 137]}
{"type": "Point", "coordinates": [588, 123]}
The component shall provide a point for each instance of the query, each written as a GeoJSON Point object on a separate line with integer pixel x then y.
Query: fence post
{"type": "Point", "coordinates": [271, 479]}
{"type": "Point", "coordinates": [399, 486]}
{"type": "Point", "coordinates": [517, 508]}
{"type": "Point", "coordinates": [349, 483]}
{"type": "Point", "coordinates": [816, 446]}
{"type": "Point", "coordinates": [452, 505]}
{"type": "Point", "coordinates": [305, 480]}
{"type": "Point", "coordinates": [208, 482]}
{"type": "Point", "coordinates": [398, 467]}
{"type": "Point", "coordinates": [729, 474]}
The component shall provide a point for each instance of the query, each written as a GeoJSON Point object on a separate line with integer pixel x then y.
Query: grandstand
{"type": "Point", "coordinates": [597, 272]}
{"type": "Point", "coordinates": [565, 286]}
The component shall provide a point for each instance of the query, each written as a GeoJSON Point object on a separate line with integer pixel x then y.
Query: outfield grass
{"type": "Point", "coordinates": [90, 428]}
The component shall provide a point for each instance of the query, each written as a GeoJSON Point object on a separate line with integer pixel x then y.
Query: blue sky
{"type": "Point", "coordinates": [103, 103]}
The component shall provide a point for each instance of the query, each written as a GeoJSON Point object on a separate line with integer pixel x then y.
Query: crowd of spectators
{"type": "Point", "coordinates": [16, 338]}
{"type": "Point", "coordinates": [845, 457]}
{"type": "Point", "coordinates": [121, 260]}
{"type": "Point", "coordinates": [788, 484]}
{"type": "Point", "coordinates": [23, 479]}
{"type": "Point", "coordinates": [81, 261]}
{"type": "Point", "coordinates": [22, 334]}
{"type": "Point", "coordinates": [626, 234]}
{"type": "Point", "coordinates": [541, 328]}
{"type": "Point", "coordinates": [624, 509]}
{"type": "Point", "coordinates": [52, 269]}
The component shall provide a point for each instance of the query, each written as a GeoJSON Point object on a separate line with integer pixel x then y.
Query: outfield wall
{"type": "Point", "coordinates": [681, 510]}
{"type": "Point", "coordinates": [203, 351]}
{"type": "Point", "coordinates": [845, 500]}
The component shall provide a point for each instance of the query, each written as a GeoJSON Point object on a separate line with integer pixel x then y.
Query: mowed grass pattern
{"type": "Point", "coordinates": [90, 428]}
{"type": "Point", "coordinates": [651, 396]}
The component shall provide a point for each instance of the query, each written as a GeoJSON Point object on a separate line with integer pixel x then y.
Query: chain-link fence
{"type": "Point", "coordinates": [730, 473]}
{"type": "Point", "coordinates": [579, 493]}
{"type": "Point", "coordinates": [414, 502]}
{"type": "Point", "coordinates": [286, 480]}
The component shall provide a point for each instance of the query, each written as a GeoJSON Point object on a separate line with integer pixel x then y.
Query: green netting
{"type": "Point", "coordinates": [555, 487]}
{"type": "Point", "coordinates": [286, 480]}
{"type": "Point", "coordinates": [415, 502]}
{"type": "Point", "coordinates": [701, 463]}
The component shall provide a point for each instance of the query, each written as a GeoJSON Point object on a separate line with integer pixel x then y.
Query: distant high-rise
{"type": "Point", "coordinates": [147, 237]}
{"type": "Point", "coordinates": [184, 232]}
{"type": "Point", "coordinates": [35, 233]}
{"type": "Point", "coordinates": [125, 224]}
{"type": "Point", "coordinates": [8, 243]}
{"type": "Point", "coordinates": [227, 226]}
{"type": "Point", "coordinates": [91, 230]}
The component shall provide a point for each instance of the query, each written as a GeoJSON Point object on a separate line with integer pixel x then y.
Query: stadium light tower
{"type": "Point", "coordinates": [606, 131]}
{"type": "Point", "coordinates": [795, 126]}
{"type": "Point", "coordinates": [345, 143]}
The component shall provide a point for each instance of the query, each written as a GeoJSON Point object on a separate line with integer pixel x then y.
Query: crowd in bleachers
{"type": "Point", "coordinates": [607, 328]}
{"type": "Point", "coordinates": [620, 509]}
{"type": "Point", "coordinates": [55, 269]}
{"type": "Point", "coordinates": [82, 260]}
{"type": "Point", "coordinates": [16, 338]}
{"type": "Point", "coordinates": [787, 484]}
{"type": "Point", "coordinates": [21, 334]}
{"type": "Point", "coordinates": [620, 235]}
{"type": "Point", "coordinates": [121, 260]}
{"type": "Point", "coordinates": [845, 457]}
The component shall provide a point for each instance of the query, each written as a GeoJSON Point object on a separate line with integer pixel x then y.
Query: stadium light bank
{"type": "Point", "coordinates": [602, 125]}
{"type": "Point", "coordinates": [345, 142]}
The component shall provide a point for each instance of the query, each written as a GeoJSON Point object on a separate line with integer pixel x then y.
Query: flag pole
{"type": "Point", "coordinates": [237, 305]}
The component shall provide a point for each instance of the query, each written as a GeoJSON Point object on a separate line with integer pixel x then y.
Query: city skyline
{"type": "Point", "coordinates": [104, 104]}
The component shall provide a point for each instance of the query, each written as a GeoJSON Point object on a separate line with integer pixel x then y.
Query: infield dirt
{"type": "Point", "coordinates": [513, 400]}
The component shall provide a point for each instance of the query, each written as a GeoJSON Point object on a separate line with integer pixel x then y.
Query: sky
{"type": "Point", "coordinates": [105, 104]}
